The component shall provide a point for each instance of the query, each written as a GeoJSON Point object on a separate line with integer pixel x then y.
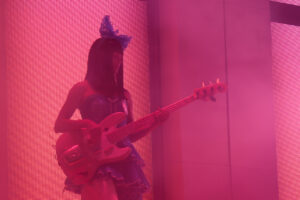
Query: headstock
{"type": "Point", "coordinates": [207, 92]}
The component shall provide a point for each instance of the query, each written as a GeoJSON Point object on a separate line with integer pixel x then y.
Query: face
{"type": "Point", "coordinates": [117, 60]}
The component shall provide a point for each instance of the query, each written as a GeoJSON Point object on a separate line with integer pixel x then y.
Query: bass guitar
{"type": "Point", "coordinates": [80, 158]}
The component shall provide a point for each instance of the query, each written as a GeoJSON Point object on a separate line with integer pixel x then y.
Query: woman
{"type": "Point", "coordinates": [99, 95]}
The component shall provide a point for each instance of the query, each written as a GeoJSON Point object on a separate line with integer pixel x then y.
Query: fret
{"type": "Point", "coordinates": [175, 106]}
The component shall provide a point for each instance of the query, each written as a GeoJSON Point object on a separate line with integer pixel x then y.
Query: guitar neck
{"type": "Point", "coordinates": [175, 106]}
{"type": "Point", "coordinates": [146, 122]}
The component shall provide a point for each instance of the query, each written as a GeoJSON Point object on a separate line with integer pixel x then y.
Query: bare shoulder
{"type": "Point", "coordinates": [79, 89]}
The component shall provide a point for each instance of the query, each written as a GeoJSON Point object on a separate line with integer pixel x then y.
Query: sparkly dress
{"type": "Point", "coordinates": [129, 179]}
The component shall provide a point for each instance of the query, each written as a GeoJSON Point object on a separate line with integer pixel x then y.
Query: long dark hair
{"type": "Point", "coordinates": [100, 72]}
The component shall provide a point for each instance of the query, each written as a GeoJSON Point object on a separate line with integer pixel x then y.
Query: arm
{"type": "Point", "coordinates": [63, 122]}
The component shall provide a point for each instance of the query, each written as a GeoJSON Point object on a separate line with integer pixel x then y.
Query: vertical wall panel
{"type": "Point", "coordinates": [170, 84]}
{"type": "Point", "coordinates": [286, 77]}
{"type": "Point", "coordinates": [203, 123]}
{"type": "Point", "coordinates": [195, 137]}
{"type": "Point", "coordinates": [3, 107]}
{"type": "Point", "coordinates": [254, 174]}
{"type": "Point", "coordinates": [228, 147]}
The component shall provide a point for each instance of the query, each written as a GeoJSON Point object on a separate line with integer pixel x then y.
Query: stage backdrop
{"type": "Point", "coordinates": [47, 49]}
{"type": "Point", "coordinates": [223, 150]}
{"type": "Point", "coordinates": [286, 76]}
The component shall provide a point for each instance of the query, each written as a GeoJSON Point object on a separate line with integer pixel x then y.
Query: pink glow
{"type": "Point", "coordinates": [220, 150]}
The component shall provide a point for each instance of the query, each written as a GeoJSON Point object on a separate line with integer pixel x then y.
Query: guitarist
{"type": "Point", "coordinates": [99, 95]}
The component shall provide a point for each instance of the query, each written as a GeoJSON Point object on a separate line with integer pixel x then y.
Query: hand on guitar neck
{"type": "Point", "coordinates": [90, 132]}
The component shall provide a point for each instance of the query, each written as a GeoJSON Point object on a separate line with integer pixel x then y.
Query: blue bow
{"type": "Point", "coordinates": [107, 31]}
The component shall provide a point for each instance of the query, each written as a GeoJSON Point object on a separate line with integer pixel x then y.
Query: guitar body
{"type": "Point", "coordinates": [80, 159]}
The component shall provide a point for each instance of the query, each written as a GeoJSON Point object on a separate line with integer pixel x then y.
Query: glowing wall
{"type": "Point", "coordinates": [223, 150]}
{"type": "Point", "coordinates": [47, 48]}
{"type": "Point", "coordinates": [286, 77]}
{"type": "Point", "coordinates": [293, 2]}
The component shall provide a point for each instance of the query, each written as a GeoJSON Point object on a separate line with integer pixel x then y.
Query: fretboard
{"type": "Point", "coordinates": [146, 122]}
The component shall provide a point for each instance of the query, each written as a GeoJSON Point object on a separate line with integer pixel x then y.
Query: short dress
{"type": "Point", "coordinates": [128, 177]}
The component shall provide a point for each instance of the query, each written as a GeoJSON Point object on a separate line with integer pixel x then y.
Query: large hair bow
{"type": "Point", "coordinates": [107, 31]}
